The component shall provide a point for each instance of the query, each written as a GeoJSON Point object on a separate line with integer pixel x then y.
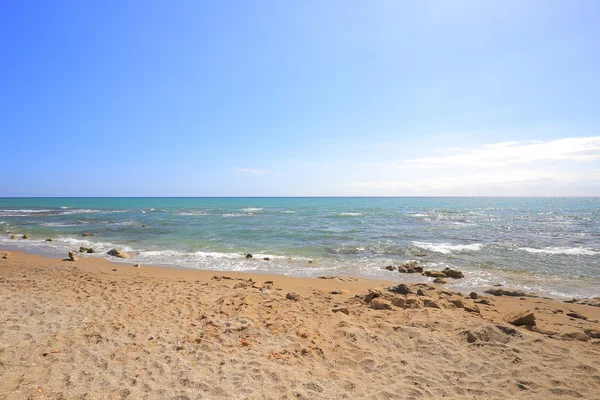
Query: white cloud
{"type": "Point", "coordinates": [562, 167]}
{"type": "Point", "coordinates": [253, 171]}
{"type": "Point", "coordinates": [502, 154]}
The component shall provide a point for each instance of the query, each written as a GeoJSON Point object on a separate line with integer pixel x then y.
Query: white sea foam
{"type": "Point", "coordinates": [447, 248]}
{"type": "Point", "coordinates": [350, 214]}
{"type": "Point", "coordinates": [228, 215]}
{"type": "Point", "coordinates": [193, 213]}
{"type": "Point", "coordinates": [252, 209]}
{"type": "Point", "coordinates": [572, 251]}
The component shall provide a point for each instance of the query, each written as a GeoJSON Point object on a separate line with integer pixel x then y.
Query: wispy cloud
{"type": "Point", "coordinates": [568, 166]}
{"type": "Point", "coordinates": [502, 154]}
{"type": "Point", "coordinates": [253, 171]}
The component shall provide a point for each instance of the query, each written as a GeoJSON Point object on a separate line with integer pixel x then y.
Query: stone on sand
{"type": "Point", "coordinates": [72, 256]}
{"type": "Point", "coordinates": [118, 253]}
{"type": "Point", "coordinates": [292, 296]}
{"type": "Point", "coordinates": [380, 304]}
{"type": "Point", "coordinates": [453, 273]}
{"type": "Point", "coordinates": [400, 289]}
{"type": "Point", "coordinates": [343, 310]}
{"type": "Point", "coordinates": [520, 317]}
{"type": "Point", "coordinates": [6, 255]}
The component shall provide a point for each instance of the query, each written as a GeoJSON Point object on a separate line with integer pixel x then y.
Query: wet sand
{"type": "Point", "coordinates": [94, 329]}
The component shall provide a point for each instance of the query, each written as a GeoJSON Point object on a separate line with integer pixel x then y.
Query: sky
{"type": "Point", "coordinates": [300, 98]}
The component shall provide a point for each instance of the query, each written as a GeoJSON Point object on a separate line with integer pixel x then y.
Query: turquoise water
{"type": "Point", "coordinates": [547, 245]}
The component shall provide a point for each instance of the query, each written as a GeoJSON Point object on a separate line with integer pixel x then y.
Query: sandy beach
{"type": "Point", "coordinates": [94, 329]}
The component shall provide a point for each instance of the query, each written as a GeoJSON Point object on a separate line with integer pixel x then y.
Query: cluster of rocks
{"type": "Point", "coordinates": [417, 296]}
{"type": "Point", "coordinates": [413, 267]}
{"type": "Point", "coordinates": [594, 301]}
{"type": "Point", "coordinates": [25, 236]}
{"type": "Point", "coordinates": [118, 253]}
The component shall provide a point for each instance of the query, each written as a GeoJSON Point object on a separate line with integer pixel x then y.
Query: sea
{"type": "Point", "coordinates": [550, 246]}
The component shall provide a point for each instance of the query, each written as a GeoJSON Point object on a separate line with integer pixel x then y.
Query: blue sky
{"type": "Point", "coordinates": [311, 98]}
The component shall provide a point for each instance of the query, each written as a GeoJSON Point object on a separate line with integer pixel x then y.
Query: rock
{"type": "Point", "coordinates": [49, 240]}
{"type": "Point", "coordinates": [118, 253]}
{"type": "Point", "coordinates": [520, 317]}
{"type": "Point", "coordinates": [472, 309]}
{"type": "Point", "coordinates": [483, 301]}
{"type": "Point", "coordinates": [72, 256]}
{"type": "Point", "coordinates": [441, 281]}
{"type": "Point", "coordinates": [435, 274]}
{"type": "Point", "coordinates": [453, 273]}
{"type": "Point", "coordinates": [269, 283]}
{"type": "Point", "coordinates": [292, 296]}
{"type": "Point", "coordinates": [410, 268]}
{"type": "Point", "coordinates": [373, 293]}
{"type": "Point", "coordinates": [490, 333]}
{"type": "Point", "coordinates": [420, 255]}
{"type": "Point", "coordinates": [343, 310]}
{"type": "Point", "coordinates": [13, 237]}
{"type": "Point", "coordinates": [137, 266]}
{"type": "Point", "coordinates": [91, 251]}
{"type": "Point", "coordinates": [413, 302]}
{"type": "Point", "coordinates": [507, 292]}
{"type": "Point", "coordinates": [87, 234]}
{"type": "Point", "coordinates": [83, 249]}
{"type": "Point", "coordinates": [400, 289]}
{"type": "Point", "coordinates": [6, 255]}
{"type": "Point", "coordinates": [458, 303]}
{"type": "Point", "coordinates": [421, 292]}
{"type": "Point", "coordinates": [144, 225]}
{"type": "Point", "coordinates": [249, 255]}
{"type": "Point", "coordinates": [473, 295]}
{"type": "Point", "coordinates": [380, 304]}
{"type": "Point", "coordinates": [389, 268]}
{"type": "Point", "coordinates": [114, 270]}
{"type": "Point", "coordinates": [575, 314]}
{"type": "Point", "coordinates": [580, 336]}
{"type": "Point", "coordinates": [267, 259]}
{"type": "Point", "coordinates": [593, 333]}
{"type": "Point", "coordinates": [399, 302]}
{"type": "Point", "coordinates": [25, 236]}
{"type": "Point", "coordinates": [335, 292]}
{"type": "Point", "coordinates": [431, 303]}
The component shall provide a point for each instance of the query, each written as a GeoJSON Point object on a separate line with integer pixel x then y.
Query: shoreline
{"type": "Point", "coordinates": [97, 329]}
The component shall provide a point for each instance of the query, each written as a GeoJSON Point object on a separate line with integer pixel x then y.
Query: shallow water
{"type": "Point", "coordinates": [547, 245]}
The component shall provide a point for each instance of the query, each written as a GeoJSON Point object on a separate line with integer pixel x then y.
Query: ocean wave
{"type": "Point", "coordinates": [193, 213]}
{"type": "Point", "coordinates": [229, 215]}
{"type": "Point", "coordinates": [91, 211]}
{"type": "Point", "coordinates": [350, 214]}
{"type": "Point", "coordinates": [572, 251]}
{"type": "Point", "coordinates": [252, 209]}
{"type": "Point", "coordinates": [447, 248]}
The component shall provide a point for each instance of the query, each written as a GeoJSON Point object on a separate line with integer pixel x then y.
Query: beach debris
{"type": "Point", "coordinates": [380, 304]}
{"type": "Point", "coordinates": [508, 292]}
{"type": "Point", "coordinates": [49, 240]}
{"type": "Point", "coordinates": [25, 236]}
{"type": "Point", "coordinates": [441, 281]}
{"type": "Point", "coordinates": [292, 296]}
{"type": "Point", "coordinates": [137, 266]}
{"type": "Point", "coordinates": [343, 310]}
{"type": "Point", "coordinates": [400, 289]}
{"type": "Point", "coordinates": [575, 314]}
{"type": "Point", "coordinates": [72, 256]}
{"type": "Point", "coordinates": [87, 234]}
{"type": "Point", "coordinates": [118, 253]}
{"type": "Point", "coordinates": [473, 295]}
{"type": "Point", "coordinates": [577, 335]}
{"type": "Point", "coordinates": [593, 333]}
{"type": "Point", "coordinates": [520, 317]}
{"type": "Point", "coordinates": [6, 255]}
{"type": "Point", "coordinates": [249, 255]}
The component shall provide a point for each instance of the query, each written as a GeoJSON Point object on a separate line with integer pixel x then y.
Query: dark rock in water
{"type": "Point", "coordinates": [420, 255]}
{"type": "Point", "coordinates": [25, 236]}
{"type": "Point", "coordinates": [72, 256]}
{"type": "Point", "coordinates": [90, 251]}
{"type": "Point", "coordinates": [49, 240]}
{"type": "Point", "coordinates": [435, 274]}
{"type": "Point", "coordinates": [83, 249]}
{"type": "Point", "coordinates": [508, 292]}
{"type": "Point", "coordinates": [292, 296]}
{"type": "Point", "coordinates": [118, 253]}
{"type": "Point", "coordinates": [87, 234]}
{"type": "Point", "coordinates": [453, 273]}
{"type": "Point", "coordinates": [473, 295]}
{"type": "Point", "coordinates": [519, 318]}
{"type": "Point", "coordinates": [400, 289]}
{"type": "Point", "coordinates": [440, 281]}
{"type": "Point", "coordinates": [410, 268]}
{"type": "Point", "coordinates": [144, 225]}
{"type": "Point", "coordinates": [267, 259]}
{"type": "Point", "coordinates": [13, 237]}
{"type": "Point", "coordinates": [248, 255]}
{"type": "Point", "coordinates": [390, 268]}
